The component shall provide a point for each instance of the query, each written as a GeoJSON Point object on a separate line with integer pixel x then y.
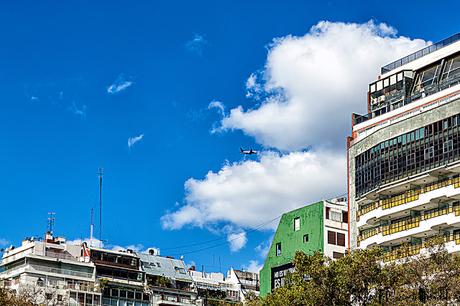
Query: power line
{"type": "Point", "coordinates": [226, 241]}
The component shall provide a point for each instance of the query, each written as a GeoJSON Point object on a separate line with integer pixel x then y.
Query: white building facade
{"type": "Point", "coordinates": [404, 155]}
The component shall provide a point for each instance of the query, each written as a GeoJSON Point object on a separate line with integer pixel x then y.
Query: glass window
{"type": "Point", "coordinates": [336, 216]}
{"type": "Point", "coordinates": [305, 238]}
{"type": "Point", "coordinates": [337, 255]}
{"type": "Point", "coordinates": [340, 239]}
{"type": "Point", "coordinates": [448, 146]}
{"type": "Point", "coordinates": [296, 224]}
{"type": "Point", "coordinates": [331, 238]}
{"type": "Point", "coordinates": [278, 249]}
{"type": "Point", "coordinates": [429, 153]}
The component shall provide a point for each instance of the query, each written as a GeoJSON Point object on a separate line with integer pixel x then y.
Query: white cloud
{"type": "Point", "coordinates": [219, 106]}
{"type": "Point", "coordinates": [253, 87]}
{"type": "Point", "coordinates": [249, 193]}
{"type": "Point", "coordinates": [3, 242]}
{"type": "Point", "coordinates": [196, 44]}
{"type": "Point", "coordinates": [253, 266]}
{"type": "Point", "coordinates": [78, 111]}
{"type": "Point", "coordinates": [314, 82]}
{"type": "Point", "coordinates": [263, 248]}
{"type": "Point", "coordinates": [138, 248]}
{"type": "Point", "coordinates": [121, 83]}
{"type": "Point", "coordinates": [237, 240]}
{"type": "Point", "coordinates": [95, 242]}
{"type": "Point", "coordinates": [133, 140]}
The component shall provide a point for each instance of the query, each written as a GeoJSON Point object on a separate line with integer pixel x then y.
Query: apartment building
{"type": "Point", "coordinates": [318, 227]}
{"type": "Point", "coordinates": [404, 155]}
{"type": "Point", "coordinates": [50, 271]}
{"type": "Point", "coordinates": [167, 280]}
{"type": "Point", "coordinates": [245, 281]}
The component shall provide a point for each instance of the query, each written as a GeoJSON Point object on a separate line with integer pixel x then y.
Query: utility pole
{"type": "Point", "coordinates": [100, 174]}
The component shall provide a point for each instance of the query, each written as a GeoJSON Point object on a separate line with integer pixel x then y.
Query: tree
{"type": "Point", "coordinates": [363, 278]}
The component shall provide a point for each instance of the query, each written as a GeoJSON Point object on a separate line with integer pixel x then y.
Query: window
{"type": "Point", "coordinates": [410, 159]}
{"type": "Point", "coordinates": [328, 209]}
{"type": "Point", "coordinates": [448, 146]}
{"type": "Point", "coordinates": [331, 239]}
{"type": "Point", "coordinates": [426, 77]}
{"type": "Point", "coordinates": [296, 224]}
{"type": "Point", "coordinates": [336, 216]}
{"type": "Point", "coordinates": [452, 67]}
{"type": "Point", "coordinates": [337, 255]}
{"type": "Point", "coordinates": [305, 238]}
{"type": "Point", "coordinates": [278, 249]}
{"type": "Point", "coordinates": [345, 216]}
{"type": "Point", "coordinates": [340, 239]}
{"type": "Point", "coordinates": [429, 153]}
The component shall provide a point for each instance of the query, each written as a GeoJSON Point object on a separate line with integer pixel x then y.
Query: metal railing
{"type": "Point", "coordinates": [416, 55]}
{"type": "Point", "coordinates": [61, 271]}
{"type": "Point", "coordinates": [409, 223]}
{"type": "Point", "coordinates": [411, 250]}
{"type": "Point", "coordinates": [429, 90]}
{"type": "Point", "coordinates": [408, 196]}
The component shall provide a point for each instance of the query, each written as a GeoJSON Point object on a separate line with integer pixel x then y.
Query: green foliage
{"type": "Point", "coordinates": [362, 278]}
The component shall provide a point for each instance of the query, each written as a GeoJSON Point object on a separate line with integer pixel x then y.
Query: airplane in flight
{"type": "Point", "coordinates": [248, 152]}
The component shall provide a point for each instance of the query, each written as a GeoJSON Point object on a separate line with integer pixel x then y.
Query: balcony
{"type": "Point", "coordinates": [60, 271]}
{"type": "Point", "coordinates": [407, 197]}
{"type": "Point", "coordinates": [452, 243]}
{"type": "Point", "coordinates": [410, 226]}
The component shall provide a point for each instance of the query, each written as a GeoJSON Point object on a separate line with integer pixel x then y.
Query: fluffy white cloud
{"type": "Point", "coordinates": [237, 240]}
{"type": "Point", "coordinates": [314, 82]}
{"type": "Point", "coordinates": [248, 193]}
{"type": "Point", "coordinates": [121, 83]}
{"type": "Point", "coordinates": [133, 140]}
{"type": "Point", "coordinates": [253, 266]}
{"type": "Point", "coordinates": [95, 242]}
{"type": "Point", "coordinates": [3, 242]}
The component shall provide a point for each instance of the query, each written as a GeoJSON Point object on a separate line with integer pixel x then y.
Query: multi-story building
{"type": "Point", "coordinates": [319, 227]}
{"type": "Point", "coordinates": [214, 287]}
{"type": "Point", "coordinates": [167, 280]}
{"type": "Point", "coordinates": [404, 155]}
{"type": "Point", "coordinates": [50, 272]}
{"type": "Point", "coordinates": [120, 276]}
{"type": "Point", "coordinates": [245, 281]}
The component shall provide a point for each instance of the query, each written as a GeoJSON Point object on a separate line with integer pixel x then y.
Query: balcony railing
{"type": "Point", "coordinates": [408, 196]}
{"type": "Point", "coordinates": [411, 250]}
{"type": "Point", "coordinates": [414, 96]}
{"type": "Point", "coordinates": [61, 271]}
{"type": "Point", "coordinates": [409, 223]}
{"type": "Point", "coordinates": [427, 50]}
{"type": "Point", "coordinates": [58, 255]}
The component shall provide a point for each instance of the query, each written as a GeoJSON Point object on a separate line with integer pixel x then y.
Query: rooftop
{"type": "Point", "coordinates": [416, 55]}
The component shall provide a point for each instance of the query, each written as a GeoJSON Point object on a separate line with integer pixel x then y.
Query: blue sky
{"type": "Point", "coordinates": [78, 79]}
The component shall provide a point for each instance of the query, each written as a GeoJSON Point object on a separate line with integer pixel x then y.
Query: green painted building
{"type": "Point", "coordinates": [321, 226]}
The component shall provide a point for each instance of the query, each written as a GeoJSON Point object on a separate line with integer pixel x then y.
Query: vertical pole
{"type": "Point", "coordinates": [100, 173]}
{"type": "Point", "coordinates": [91, 228]}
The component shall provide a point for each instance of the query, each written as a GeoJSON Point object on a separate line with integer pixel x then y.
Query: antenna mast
{"type": "Point", "coordinates": [100, 174]}
{"type": "Point", "coordinates": [91, 227]}
{"type": "Point", "coordinates": [51, 220]}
